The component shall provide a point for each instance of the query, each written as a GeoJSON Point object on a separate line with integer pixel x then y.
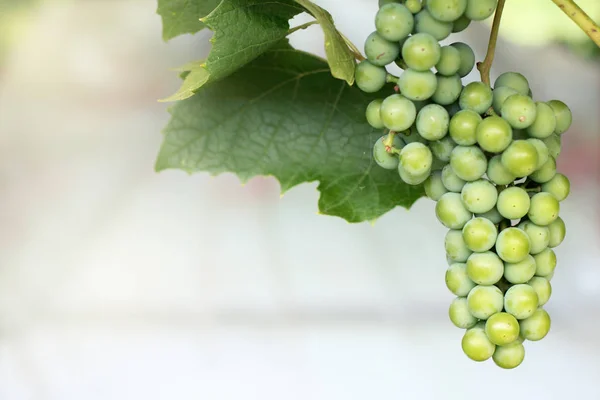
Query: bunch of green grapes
{"type": "Point", "coordinates": [486, 156]}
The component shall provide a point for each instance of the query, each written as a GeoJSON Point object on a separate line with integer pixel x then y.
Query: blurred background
{"type": "Point", "coordinates": [120, 283]}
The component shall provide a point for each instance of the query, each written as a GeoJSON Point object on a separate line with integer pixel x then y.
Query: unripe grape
{"type": "Point", "coordinates": [553, 142]}
{"type": "Point", "coordinates": [417, 85]}
{"type": "Point", "coordinates": [478, 10]}
{"type": "Point", "coordinates": [461, 24]}
{"type": "Point", "coordinates": [520, 158]}
{"type": "Point", "coordinates": [434, 188]}
{"type": "Point", "coordinates": [416, 159]}
{"type": "Point", "coordinates": [559, 186]}
{"type": "Point", "coordinates": [544, 209]}
{"type": "Point", "coordinates": [398, 113]}
{"type": "Point", "coordinates": [563, 115]}
{"type": "Point", "coordinates": [500, 94]}
{"type": "Point", "coordinates": [539, 236]}
{"type": "Point", "coordinates": [537, 326]}
{"type": "Point", "coordinates": [497, 173]}
{"type": "Point", "coordinates": [450, 180]}
{"type": "Point", "coordinates": [476, 96]}
{"type": "Point", "coordinates": [442, 148]}
{"type": "Point", "coordinates": [414, 6]}
{"type": "Point", "coordinates": [456, 248]}
{"type": "Point", "coordinates": [451, 212]}
{"type": "Point", "coordinates": [479, 196]}
{"type": "Point", "coordinates": [382, 156]}
{"type": "Point", "coordinates": [394, 22]}
{"type": "Point", "coordinates": [542, 288]}
{"type": "Point", "coordinates": [448, 89]}
{"type": "Point", "coordinates": [519, 110]}
{"type": "Point", "coordinates": [494, 134]}
{"type": "Point", "coordinates": [421, 51]}
{"type": "Point", "coordinates": [542, 151]}
{"type": "Point", "coordinates": [509, 356]}
{"type": "Point", "coordinates": [459, 314]}
{"type": "Point", "coordinates": [512, 245]}
{"type": "Point", "coordinates": [476, 345]}
{"type": "Point", "coordinates": [468, 162]}
{"type": "Point", "coordinates": [412, 179]}
{"type": "Point", "coordinates": [457, 280]}
{"type": "Point", "coordinates": [480, 235]}
{"type": "Point", "coordinates": [558, 231]}
{"type": "Point", "coordinates": [520, 272]}
{"type": "Point", "coordinates": [463, 127]}
{"type": "Point", "coordinates": [446, 10]}
{"type": "Point", "coordinates": [513, 80]}
{"type": "Point", "coordinates": [380, 51]}
{"type": "Point", "coordinates": [513, 203]}
{"type": "Point", "coordinates": [425, 23]}
{"type": "Point", "coordinates": [502, 328]}
{"type": "Point", "coordinates": [432, 122]}
{"type": "Point", "coordinates": [449, 62]}
{"type": "Point", "coordinates": [546, 172]}
{"type": "Point", "coordinates": [485, 301]}
{"type": "Point", "coordinates": [467, 58]}
{"type": "Point", "coordinates": [369, 78]}
{"type": "Point", "coordinates": [484, 268]}
{"type": "Point", "coordinates": [493, 215]}
{"type": "Point", "coordinates": [373, 114]}
{"type": "Point", "coordinates": [545, 122]}
{"type": "Point", "coordinates": [545, 263]}
{"type": "Point", "coordinates": [521, 301]}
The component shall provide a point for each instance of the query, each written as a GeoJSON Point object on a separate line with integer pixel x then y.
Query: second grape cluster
{"type": "Point", "coordinates": [486, 156]}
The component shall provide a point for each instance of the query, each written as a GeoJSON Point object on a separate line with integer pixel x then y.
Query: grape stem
{"type": "Point", "coordinates": [580, 17]}
{"type": "Point", "coordinates": [485, 66]}
{"type": "Point", "coordinates": [389, 141]}
{"type": "Point", "coordinates": [303, 26]}
{"type": "Point", "coordinates": [391, 78]}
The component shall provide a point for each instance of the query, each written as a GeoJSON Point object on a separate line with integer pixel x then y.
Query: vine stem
{"type": "Point", "coordinates": [485, 66]}
{"type": "Point", "coordinates": [303, 26]}
{"type": "Point", "coordinates": [580, 17]}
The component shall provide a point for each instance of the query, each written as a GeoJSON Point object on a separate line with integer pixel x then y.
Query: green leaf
{"type": "Point", "coordinates": [339, 56]}
{"type": "Point", "coordinates": [194, 77]}
{"type": "Point", "coordinates": [284, 115]}
{"type": "Point", "coordinates": [183, 16]}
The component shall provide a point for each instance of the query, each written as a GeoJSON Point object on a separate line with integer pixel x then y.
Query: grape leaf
{"type": "Point", "coordinates": [183, 16]}
{"type": "Point", "coordinates": [339, 56]}
{"type": "Point", "coordinates": [284, 115]}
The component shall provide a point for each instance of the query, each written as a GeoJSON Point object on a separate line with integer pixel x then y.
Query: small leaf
{"type": "Point", "coordinates": [339, 56]}
{"type": "Point", "coordinates": [183, 16]}
{"type": "Point", "coordinates": [284, 115]}
{"type": "Point", "coordinates": [193, 79]}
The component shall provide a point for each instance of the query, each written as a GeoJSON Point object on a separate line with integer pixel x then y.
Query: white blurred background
{"type": "Point", "coordinates": [120, 283]}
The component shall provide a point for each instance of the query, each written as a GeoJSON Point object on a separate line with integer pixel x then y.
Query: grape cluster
{"type": "Point", "coordinates": [486, 156]}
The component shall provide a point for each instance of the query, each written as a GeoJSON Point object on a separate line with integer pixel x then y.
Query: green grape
{"type": "Point", "coordinates": [457, 280]}
{"type": "Point", "coordinates": [520, 158]}
{"type": "Point", "coordinates": [509, 356]}
{"type": "Point", "coordinates": [446, 10]}
{"type": "Point", "coordinates": [456, 248]}
{"type": "Point", "coordinates": [494, 134]}
{"type": "Point", "coordinates": [412, 179]}
{"type": "Point", "coordinates": [414, 6]}
{"type": "Point", "coordinates": [398, 113]}
{"type": "Point", "coordinates": [373, 114]}
{"type": "Point", "coordinates": [417, 85]}
{"type": "Point", "coordinates": [563, 115]}
{"type": "Point", "coordinates": [450, 180]}
{"type": "Point", "coordinates": [448, 89]}
{"type": "Point", "coordinates": [545, 172]}
{"type": "Point", "coordinates": [493, 215]}
{"type": "Point", "coordinates": [432, 122]}
{"type": "Point", "coordinates": [369, 78]}
{"type": "Point", "coordinates": [519, 111]}
{"type": "Point", "coordinates": [463, 127]}
{"type": "Point", "coordinates": [557, 231]}
{"type": "Point", "coordinates": [553, 142]}
{"type": "Point", "coordinates": [479, 196]}
{"type": "Point", "coordinates": [382, 157]}
{"type": "Point", "coordinates": [461, 24]}
{"type": "Point", "coordinates": [442, 148]}
{"type": "Point", "coordinates": [545, 263]}
{"type": "Point", "coordinates": [513, 203]}
{"type": "Point", "coordinates": [449, 62]}
{"type": "Point", "coordinates": [452, 108]}
{"type": "Point", "coordinates": [502, 328]}
{"type": "Point", "coordinates": [421, 52]}
{"type": "Point", "coordinates": [545, 122]}
{"type": "Point", "coordinates": [521, 300]}
{"type": "Point", "coordinates": [500, 94]}
{"type": "Point", "coordinates": [513, 245]}
{"type": "Point", "coordinates": [425, 23]}
{"type": "Point", "coordinates": [434, 188]}
{"type": "Point", "coordinates": [467, 58]}
{"type": "Point", "coordinates": [394, 22]}
{"type": "Point", "coordinates": [468, 162]}
{"type": "Point", "coordinates": [416, 159]}
{"type": "Point", "coordinates": [459, 314]}
{"type": "Point", "coordinates": [513, 80]}
{"type": "Point", "coordinates": [485, 301]}
{"type": "Point", "coordinates": [539, 236]}
{"type": "Point", "coordinates": [451, 212]}
{"type": "Point", "coordinates": [478, 10]}
{"type": "Point", "coordinates": [542, 151]}
{"type": "Point", "coordinates": [496, 171]}
{"type": "Point", "coordinates": [559, 186]}
{"type": "Point", "coordinates": [544, 209]}
{"type": "Point", "coordinates": [542, 288]}
{"type": "Point", "coordinates": [520, 272]}
{"type": "Point", "coordinates": [480, 235]}
{"type": "Point", "coordinates": [484, 268]}
{"type": "Point", "coordinates": [476, 96]}
{"type": "Point", "coordinates": [384, 2]}
{"type": "Point", "coordinates": [476, 345]}
{"type": "Point", "coordinates": [380, 51]}
{"type": "Point", "coordinates": [537, 326]}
